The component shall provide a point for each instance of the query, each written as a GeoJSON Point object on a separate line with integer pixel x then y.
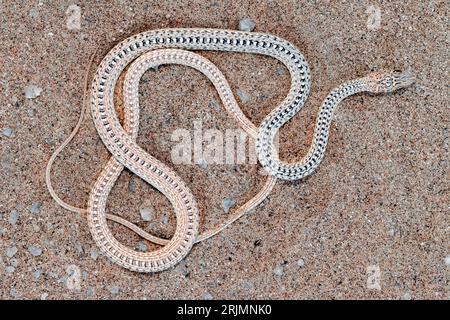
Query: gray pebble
{"type": "Point", "coordinates": [10, 269]}
{"type": "Point", "coordinates": [281, 71]}
{"type": "Point", "coordinates": [13, 292]}
{"type": "Point", "coordinates": [37, 274]}
{"type": "Point", "coordinates": [11, 252]}
{"type": "Point", "coordinates": [13, 217]}
{"type": "Point", "coordinates": [35, 251]}
{"type": "Point", "coordinates": [50, 141]}
{"type": "Point", "coordinates": [34, 13]}
{"type": "Point", "coordinates": [279, 271]}
{"type": "Point", "coordinates": [1, 216]}
{"type": "Point", "coordinates": [203, 164]}
{"type": "Point", "coordinates": [114, 290]}
{"type": "Point", "coordinates": [44, 296]}
{"type": "Point", "coordinates": [247, 25]}
{"type": "Point", "coordinates": [215, 105]}
{"type": "Point", "coordinates": [36, 208]}
{"type": "Point", "coordinates": [243, 96]}
{"type": "Point", "coordinates": [32, 91]}
{"type": "Point", "coordinates": [208, 296]}
{"type": "Point", "coordinates": [165, 220]}
{"type": "Point", "coordinates": [301, 263]}
{"type": "Point", "coordinates": [14, 263]}
{"type": "Point", "coordinates": [142, 247]}
{"type": "Point", "coordinates": [227, 204]}
{"type": "Point", "coordinates": [94, 254]}
{"type": "Point", "coordinates": [132, 185]}
{"type": "Point", "coordinates": [8, 132]}
{"type": "Point", "coordinates": [146, 214]}
{"type": "Point", "coordinates": [447, 260]}
{"type": "Point", "coordinates": [31, 112]}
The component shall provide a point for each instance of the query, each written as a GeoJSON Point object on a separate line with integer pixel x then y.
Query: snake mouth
{"type": "Point", "coordinates": [403, 79]}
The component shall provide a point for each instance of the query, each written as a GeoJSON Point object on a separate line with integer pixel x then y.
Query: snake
{"type": "Point", "coordinates": [152, 48]}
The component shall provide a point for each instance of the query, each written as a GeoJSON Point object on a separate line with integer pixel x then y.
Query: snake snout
{"type": "Point", "coordinates": [384, 82]}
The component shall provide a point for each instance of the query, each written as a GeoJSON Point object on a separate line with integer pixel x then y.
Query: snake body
{"type": "Point", "coordinates": [168, 46]}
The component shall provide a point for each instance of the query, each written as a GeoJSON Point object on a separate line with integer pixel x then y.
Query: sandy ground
{"type": "Point", "coordinates": [370, 223]}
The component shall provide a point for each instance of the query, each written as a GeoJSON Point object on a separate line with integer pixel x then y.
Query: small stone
{"type": "Point", "coordinates": [32, 91]}
{"type": "Point", "coordinates": [114, 290]}
{"type": "Point", "coordinates": [281, 71]}
{"type": "Point", "coordinates": [243, 96]}
{"type": "Point", "coordinates": [10, 269]}
{"type": "Point", "coordinates": [44, 296]}
{"type": "Point", "coordinates": [203, 164]}
{"type": "Point", "coordinates": [247, 25]}
{"type": "Point", "coordinates": [94, 254]}
{"type": "Point", "coordinates": [35, 251]}
{"type": "Point", "coordinates": [142, 247]}
{"type": "Point", "coordinates": [301, 263]}
{"type": "Point", "coordinates": [37, 274]}
{"type": "Point", "coordinates": [8, 132]}
{"type": "Point", "coordinates": [1, 216]}
{"type": "Point", "coordinates": [447, 260]}
{"type": "Point", "coordinates": [165, 220]}
{"type": "Point", "coordinates": [279, 271]}
{"type": "Point", "coordinates": [132, 185]}
{"type": "Point", "coordinates": [36, 208]}
{"type": "Point", "coordinates": [50, 141]}
{"type": "Point", "coordinates": [34, 13]}
{"type": "Point", "coordinates": [13, 217]}
{"type": "Point", "coordinates": [215, 105]}
{"type": "Point", "coordinates": [228, 204]}
{"type": "Point", "coordinates": [11, 252]}
{"type": "Point", "coordinates": [14, 263]}
{"type": "Point", "coordinates": [146, 214]}
{"type": "Point", "coordinates": [208, 296]}
{"type": "Point", "coordinates": [13, 292]}
{"type": "Point", "coordinates": [248, 286]}
{"type": "Point", "coordinates": [407, 296]}
{"type": "Point", "coordinates": [31, 112]}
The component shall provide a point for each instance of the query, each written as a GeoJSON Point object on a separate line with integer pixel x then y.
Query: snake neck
{"type": "Point", "coordinates": [306, 166]}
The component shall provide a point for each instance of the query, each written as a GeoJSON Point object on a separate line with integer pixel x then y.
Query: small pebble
{"type": "Point", "coordinates": [281, 71]}
{"type": "Point", "coordinates": [243, 96]}
{"type": "Point", "coordinates": [301, 263]}
{"type": "Point", "coordinates": [208, 296]}
{"type": "Point", "coordinates": [215, 105]}
{"type": "Point", "coordinates": [94, 254]}
{"type": "Point", "coordinates": [447, 260]}
{"type": "Point", "coordinates": [32, 91]}
{"type": "Point", "coordinates": [35, 251]}
{"type": "Point", "coordinates": [8, 132]}
{"type": "Point", "coordinates": [146, 214]}
{"type": "Point", "coordinates": [1, 216]}
{"type": "Point", "coordinates": [34, 13]}
{"type": "Point", "coordinates": [114, 290]}
{"type": "Point", "coordinates": [142, 247]}
{"type": "Point", "coordinates": [228, 204]}
{"type": "Point", "coordinates": [44, 296]}
{"type": "Point", "coordinates": [247, 25]}
{"type": "Point", "coordinates": [13, 217]}
{"type": "Point", "coordinates": [165, 220]}
{"type": "Point", "coordinates": [279, 271]}
{"type": "Point", "coordinates": [407, 296]}
{"type": "Point", "coordinates": [36, 208]}
{"type": "Point", "coordinates": [11, 252]}
{"type": "Point", "coordinates": [132, 185]}
{"type": "Point", "coordinates": [10, 269]}
{"type": "Point", "coordinates": [14, 263]}
{"type": "Point", "coordinates": [203, 164]}
{"type": "Point", "coordinates": [37, 274]}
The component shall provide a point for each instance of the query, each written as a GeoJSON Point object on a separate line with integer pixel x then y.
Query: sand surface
{"type": "Point", "coordinates": [370, 223]}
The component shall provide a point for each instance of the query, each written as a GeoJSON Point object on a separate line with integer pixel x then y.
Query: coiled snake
{"type": "Point", "coordinates": [169, 46]}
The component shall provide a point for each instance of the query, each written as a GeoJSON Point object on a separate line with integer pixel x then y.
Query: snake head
{"type": "Point", "coordinates": [384, 82]}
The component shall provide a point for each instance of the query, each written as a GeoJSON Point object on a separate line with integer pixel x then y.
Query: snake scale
{"type": "Point", "coordinates": [174, 46]}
